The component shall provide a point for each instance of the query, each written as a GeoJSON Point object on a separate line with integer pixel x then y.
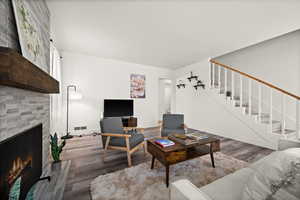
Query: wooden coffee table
{"type": "Point", "coordinates": [179, 152]}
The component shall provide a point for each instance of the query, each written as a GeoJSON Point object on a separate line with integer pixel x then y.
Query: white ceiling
{"type": "Point", "coordinates": [168, 33]}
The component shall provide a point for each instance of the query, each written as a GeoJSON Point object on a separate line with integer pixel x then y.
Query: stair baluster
{"type": "Point", "coordinates": [250, 98]}
{"type": "Point", "coordinates": [271, 110]}
{"type": "Point", "coordinates": [259, 102]}
{"type": "Point", "coordinates": [282, 113]}
{"type": "Point", "coordinates": [241, 91]}
{"type": "Point", "coordinates": [225, 83]}
{"type": "Point", "coordinates": [219, 78]}
{"type": "Point", "coordinates": [232, 86]}
{"type": "Point", "coordinates": [212, 75]}
{"type": "Point", "coordinates": [297, 119]}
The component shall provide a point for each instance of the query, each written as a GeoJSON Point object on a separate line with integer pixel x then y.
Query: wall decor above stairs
{"type": "Point", "coordinates": [180, 84]}
{"type": "Point", "coordinates": [266, 104]}
{"type": "Point", "coordinates": [199, 83]}
{"type": "Point", "coordinates": [192, 77]}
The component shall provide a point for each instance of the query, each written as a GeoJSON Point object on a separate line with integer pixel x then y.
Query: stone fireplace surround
{"type": "Point", "coordinates": [21, 109]}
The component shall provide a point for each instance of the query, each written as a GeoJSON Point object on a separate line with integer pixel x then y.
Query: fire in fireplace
{"type": "Point", "coordinates": [21, 163]}
{"type": "Point", "coordinates": [17, 168]}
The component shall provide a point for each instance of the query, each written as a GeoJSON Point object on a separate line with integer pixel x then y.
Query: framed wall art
{"type": "Point", "coordinates": [30, 34]}
{"type": "Point", "coordinates": [137, 86]}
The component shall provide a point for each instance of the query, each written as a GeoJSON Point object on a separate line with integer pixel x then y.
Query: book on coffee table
{"type": "Point", "coordinates": [164, 142]}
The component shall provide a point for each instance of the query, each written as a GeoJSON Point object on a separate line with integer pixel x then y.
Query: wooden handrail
{"type": "Point", "coordinates": [256, 79]}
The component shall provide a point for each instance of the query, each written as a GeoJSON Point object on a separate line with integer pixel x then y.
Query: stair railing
{"type": "Point", "coordinates": [215, 80]}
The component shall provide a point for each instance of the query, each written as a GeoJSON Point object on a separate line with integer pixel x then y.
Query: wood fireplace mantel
{"type": "Point", "coordinates": [17, 71]}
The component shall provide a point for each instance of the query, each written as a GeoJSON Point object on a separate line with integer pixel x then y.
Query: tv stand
{"type": "Point", "coordinates": [129, 122]}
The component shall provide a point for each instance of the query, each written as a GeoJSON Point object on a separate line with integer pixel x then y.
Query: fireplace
{"type": "Point", "coordinates": [20, 164]}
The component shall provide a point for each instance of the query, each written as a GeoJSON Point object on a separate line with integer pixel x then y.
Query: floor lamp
{"type": "Point", "coordinates": [76, 95]}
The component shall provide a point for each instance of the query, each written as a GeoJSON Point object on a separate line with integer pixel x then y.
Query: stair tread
{"type": "Point", "coordinates": [263, 115]}
{"type": "Point", "coordinates": [286, 131]}
{"type": "Point", "coordinates": [268, 121]}
{"type": "Point", "coordinates": [256, 113]}
{"type": "Point", "coordinates": [244, 105]}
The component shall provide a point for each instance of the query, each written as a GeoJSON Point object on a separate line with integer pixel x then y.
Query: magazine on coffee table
{"type": "Point", "coordinates": [197, 136]}
{"type": "Point", "coordinates": [188, 139]}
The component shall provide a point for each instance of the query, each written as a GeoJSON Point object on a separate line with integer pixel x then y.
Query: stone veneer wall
{"type": "Point", "coordinates": [23, 109]}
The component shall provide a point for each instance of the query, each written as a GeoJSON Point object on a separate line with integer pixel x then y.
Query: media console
{"type": "Point", "coordinates": [129, 121]}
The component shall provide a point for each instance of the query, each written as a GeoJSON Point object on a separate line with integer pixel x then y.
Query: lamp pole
{"type": "Point", "coordinates": [68, 136]}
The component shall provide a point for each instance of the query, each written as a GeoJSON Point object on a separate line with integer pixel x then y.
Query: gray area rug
{"type": "Point", "coordinates": [142, 183]}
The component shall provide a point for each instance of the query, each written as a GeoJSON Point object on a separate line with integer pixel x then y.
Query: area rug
{"type": "Point", "coordinates": [142, 183]}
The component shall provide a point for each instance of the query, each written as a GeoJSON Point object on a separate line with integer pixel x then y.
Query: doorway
{"type": "Point", "coordinates": [165, 96]}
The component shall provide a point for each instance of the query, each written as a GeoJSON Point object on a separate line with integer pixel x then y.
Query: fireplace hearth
{"type": "Point", "coordinates": [21, 163]}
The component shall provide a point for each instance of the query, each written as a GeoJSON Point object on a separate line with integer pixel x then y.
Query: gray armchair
{"type": "Point", "coordinates": [172, 123]}
{"type": "Point", "coordinates": [114, 137]}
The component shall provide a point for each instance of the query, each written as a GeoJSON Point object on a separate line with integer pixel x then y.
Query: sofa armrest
{"type": "Point", "coordinates": [185, 190]}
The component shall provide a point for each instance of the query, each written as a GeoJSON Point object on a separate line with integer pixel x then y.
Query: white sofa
{"type": "Point", "coordinates": [230, 187]}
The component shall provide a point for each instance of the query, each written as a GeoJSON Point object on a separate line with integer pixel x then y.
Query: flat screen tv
{"type": "Point", "coordinates": [118, 107]}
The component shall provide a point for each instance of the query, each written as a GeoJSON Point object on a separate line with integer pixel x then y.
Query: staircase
{"type": "Point", "coordinates": [273, 109]}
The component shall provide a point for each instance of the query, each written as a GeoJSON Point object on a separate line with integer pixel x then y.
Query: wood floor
{"type": "Point", "coordinates": [86, 162]}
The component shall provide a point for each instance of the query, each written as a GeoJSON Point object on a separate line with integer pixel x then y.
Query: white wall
{"type": "Point", "coordinates": [98, 79]}
{"type": "Point", "coordinates": [187, 99]}
{"type": "Point", "coordinates": [185, 96]}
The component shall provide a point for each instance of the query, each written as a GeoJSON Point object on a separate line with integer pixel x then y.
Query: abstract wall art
{"type": "Point", "coordinates": [137, 86]}
{"type": "Point", "coordinates": [30, 34]}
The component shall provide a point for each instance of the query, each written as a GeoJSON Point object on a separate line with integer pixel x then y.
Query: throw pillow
{"type": "Point", "coordinates": [276, 177]}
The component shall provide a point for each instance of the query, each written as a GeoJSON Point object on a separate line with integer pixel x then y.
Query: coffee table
{"type": "Point", "coordinates": [179, 152]}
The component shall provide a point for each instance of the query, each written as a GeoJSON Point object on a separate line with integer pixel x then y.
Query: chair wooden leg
{"type": "Point", "coordinates": [128, 152]}
{"type": "Point", "coordinates": [105, 147]}
{"type": "Point", "coordinates": [129, 159]}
